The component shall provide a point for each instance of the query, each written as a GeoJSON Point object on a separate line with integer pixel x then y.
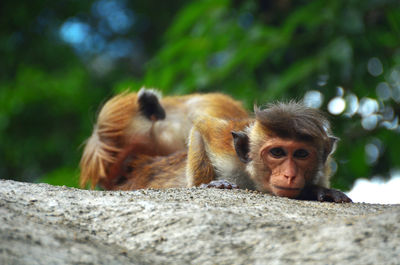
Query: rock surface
{"type": "Point", "coordinates": [44, 224]}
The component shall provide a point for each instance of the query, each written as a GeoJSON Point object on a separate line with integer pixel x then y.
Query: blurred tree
{"type": "Point", "coordinates": [61, 59]}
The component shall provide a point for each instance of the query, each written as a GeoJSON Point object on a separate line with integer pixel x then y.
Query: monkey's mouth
{"type": "Point", "coordinates": [289, 192]}
{"type": "Point", "coordinates": [286, 188]}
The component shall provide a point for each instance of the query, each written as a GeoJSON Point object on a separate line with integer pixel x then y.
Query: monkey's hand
{"type": "Point", "coordinates": [220, 184]}
{"type": "Point", "coordinates": [324, 195]}
{"type": "Point", "coordinates": [331, 195]}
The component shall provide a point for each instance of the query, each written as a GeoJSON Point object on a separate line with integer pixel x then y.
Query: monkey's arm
{"type": "Point", "coordinates": [318, 193]}
{"type": "Point", "coordinates": [199, 168]}
{"type": "Point", "coordinates": [211, 155]}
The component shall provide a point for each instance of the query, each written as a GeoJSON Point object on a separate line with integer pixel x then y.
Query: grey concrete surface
{"type": "Point", "coordinates": [44, 224]}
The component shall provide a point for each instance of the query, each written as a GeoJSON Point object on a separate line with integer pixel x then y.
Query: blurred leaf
{"type": "Point", "coordinates": [62, 176]}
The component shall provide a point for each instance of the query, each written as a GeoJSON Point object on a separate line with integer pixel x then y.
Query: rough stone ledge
{"type": "Point", "coordinates": [44, 224]}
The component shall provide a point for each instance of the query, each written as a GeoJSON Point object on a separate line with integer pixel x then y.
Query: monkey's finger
{"type": "Point", "coordinates": [342, 198]}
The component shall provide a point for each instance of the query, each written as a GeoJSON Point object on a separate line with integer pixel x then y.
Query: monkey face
{"type": "Point", "coordinates": [290, 165]}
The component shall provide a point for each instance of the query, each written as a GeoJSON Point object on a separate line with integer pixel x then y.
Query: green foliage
{"type": "Point", "coordinates": [256, 51]}
{"type": "Point", "coordinates": [41, 120]}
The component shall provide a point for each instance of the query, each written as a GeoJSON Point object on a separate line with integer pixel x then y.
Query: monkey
{"type": "Point", "coordinates": [284, 151]}
{"type": "Point", "coordinates": [164, 123]}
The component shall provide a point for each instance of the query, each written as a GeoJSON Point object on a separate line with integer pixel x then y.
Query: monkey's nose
{"type": "Point", "coordinates": [290, 178]}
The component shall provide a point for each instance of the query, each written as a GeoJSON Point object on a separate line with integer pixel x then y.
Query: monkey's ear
{"type": "Point", "coordinates": [242, 148]}
{"type": "Point", "coordinates": [330, 147]}
{"type": "Point", "coordinates": [149, 105]}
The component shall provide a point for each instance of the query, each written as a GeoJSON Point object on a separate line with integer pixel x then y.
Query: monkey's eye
{"type": "Point", "coordinates": [277, 152]}
{"type": "Point", "coordinates": [301, 153]}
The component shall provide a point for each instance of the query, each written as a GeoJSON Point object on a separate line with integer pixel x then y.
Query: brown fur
{"type": "Point", "coordinates": [293, 120]}
{"type": "Point", "coordinates": [120, 122]}
{"type": "Point", "coordinates": [199, 165]}
{"type": "Point", "coordinates": [156, 172]}
{"type": "Point", "coordinates": [107, 138]}
{"type": "Point", "coordinates": [139, 145]}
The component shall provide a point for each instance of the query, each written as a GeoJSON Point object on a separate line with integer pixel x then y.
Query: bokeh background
{"type": "Point", "coordinates": [60, 60]}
